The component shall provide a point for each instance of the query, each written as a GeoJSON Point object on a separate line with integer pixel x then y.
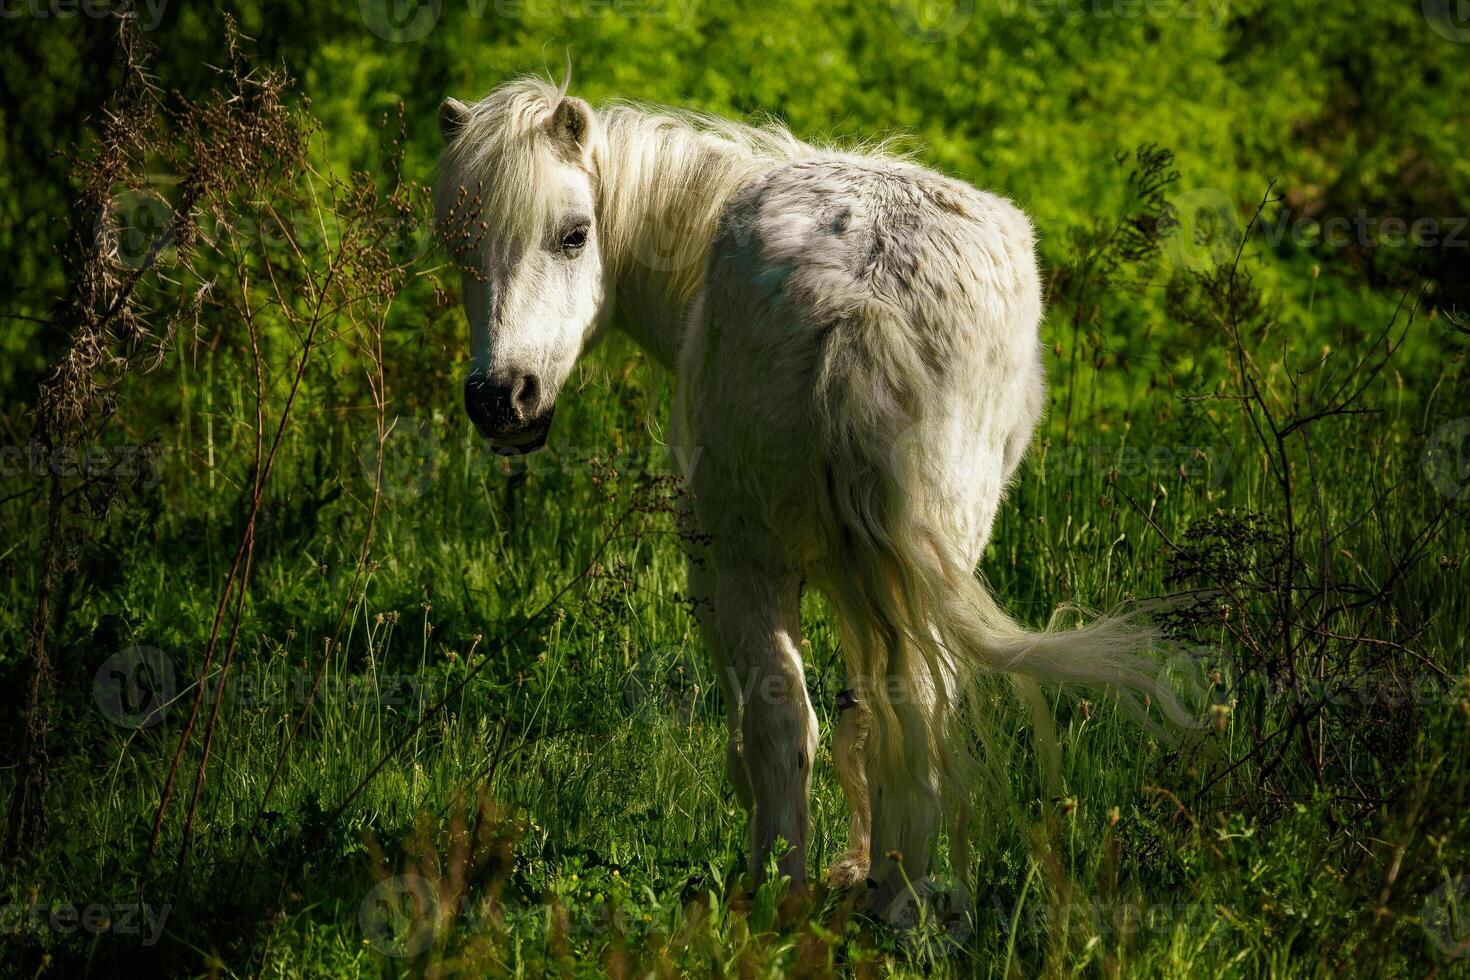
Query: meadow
{"type": "Point", "coordinates": [301, 680]}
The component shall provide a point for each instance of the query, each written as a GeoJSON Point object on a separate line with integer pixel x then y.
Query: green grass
{"type": "Point", "coordinates": [615, 836]}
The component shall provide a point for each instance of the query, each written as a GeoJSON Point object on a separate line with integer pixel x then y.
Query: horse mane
{"type": "Point", "coordinates": [659, 172]}
{"type": "Point", "coordinates": [671, 172]}
{"type": "Point", "coordinates": [491, 172]}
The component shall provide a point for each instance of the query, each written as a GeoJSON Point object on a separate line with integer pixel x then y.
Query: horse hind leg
{"type": "Point", "coordinates": [850, 759]}
{"type": "Point", "coordinates": [849, 754]}
{"type": "Point", "coordinates": [905, 792]}
{"type": "Point", "coordinates": [893, 754]}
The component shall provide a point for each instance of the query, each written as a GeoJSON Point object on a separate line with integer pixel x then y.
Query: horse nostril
{"type": "Point", "coordinates": [479, 401]}
{"type": "Point", "coordinates": [502, 407]}
{"type": "Point", "coordinates": [527, 393]}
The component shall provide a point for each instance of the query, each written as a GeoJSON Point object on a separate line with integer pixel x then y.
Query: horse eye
{"type": "Point", "coordinates": [572, 241]}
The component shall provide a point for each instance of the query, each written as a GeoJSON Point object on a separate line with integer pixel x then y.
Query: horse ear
{"type": "Point", "coordinates": [571, 126]}
{"type": "Point", "coordinates": [453, 114]}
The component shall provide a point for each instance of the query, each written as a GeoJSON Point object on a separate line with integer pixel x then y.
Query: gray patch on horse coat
{"type": "Point", "coordinates": [845, 225]}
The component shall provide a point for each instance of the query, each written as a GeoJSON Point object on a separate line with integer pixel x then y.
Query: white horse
{"type": "Point", "coordinates": [855, 341]}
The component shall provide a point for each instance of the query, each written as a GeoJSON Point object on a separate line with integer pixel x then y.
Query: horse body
{"type": "Point", "coordinates": [855, 340]}
{"type": "Point", "coordinates": [866, 329]}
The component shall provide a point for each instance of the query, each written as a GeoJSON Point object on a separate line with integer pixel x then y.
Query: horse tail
{"type": "Point", "coordinates": [921, 631]}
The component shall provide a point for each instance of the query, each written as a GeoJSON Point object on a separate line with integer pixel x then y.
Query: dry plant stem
{"type": "Point", "coordinates": [378, 384]}
{"type": "Point", "coordinates": [26, 803]}
{"type": "Point", "coordinates": [1282, 465]}
{"type": "Point", "coordinates": [1284, 616]}
{"type": "Point", "coordinates": [74, 385]}
{"type": "Point", "coordinates": [240, 559]}
{"type": "Point", "coordinates": [254, 337]}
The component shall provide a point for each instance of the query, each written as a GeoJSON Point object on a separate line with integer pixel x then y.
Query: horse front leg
{"type": "Point", "coordinates": [702, 598]}
{"type": "Point", "coordinates": [758, 632]}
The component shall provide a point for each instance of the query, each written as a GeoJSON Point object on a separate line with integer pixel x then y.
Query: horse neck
{"type": "Point", "coordinates": [664, 184]}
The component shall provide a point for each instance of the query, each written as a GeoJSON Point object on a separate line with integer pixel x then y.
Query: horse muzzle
{"type": "Point", "coordinates": [508, 413]}
{"type": "Point", "coordinates": [525, 439]}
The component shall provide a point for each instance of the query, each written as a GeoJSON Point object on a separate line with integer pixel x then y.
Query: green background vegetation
{"type": "Point", "coordinates": [611, 843]}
